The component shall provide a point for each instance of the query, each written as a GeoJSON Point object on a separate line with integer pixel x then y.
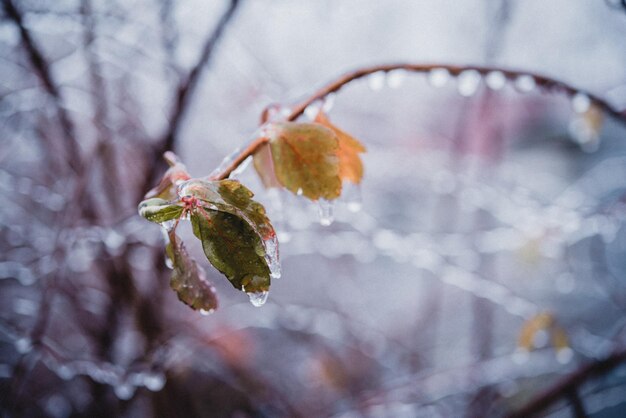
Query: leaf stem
{"type": "Point", "coordinates": [544, 83]}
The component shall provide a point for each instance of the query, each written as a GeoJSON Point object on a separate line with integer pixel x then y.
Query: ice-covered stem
{"type": "Point", "coordinates": [545, 83]}
{"type": "Point", "coordinates": [569, 385]}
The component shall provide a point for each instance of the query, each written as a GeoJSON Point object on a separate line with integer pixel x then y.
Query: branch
{"type": "Point", "coordinates": [40, 65]}
{"type": "Point", "coordinates": [185, 93]}
{"type": "Point", "coordinates": [569, 385]}
{"type": "Point", "coordinates": [547, 84]}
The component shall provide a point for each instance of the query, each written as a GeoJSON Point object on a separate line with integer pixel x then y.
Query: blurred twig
{"type": "Point", "coordinates": [570, 384]}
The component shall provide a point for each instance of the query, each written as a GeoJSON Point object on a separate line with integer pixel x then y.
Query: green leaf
{"type": "Point", "coordinates": [159, 210]}
{"type": "Point", "coordinates": [166, 189]}
{"type": "Point", "coordinates": [232, 197]}
{"type": "Point", "coordinates": [306, 159]}
{"type": "Point", "coordinates": [233, 247]}
{"type": "Point", "coordinates": [188, 278]}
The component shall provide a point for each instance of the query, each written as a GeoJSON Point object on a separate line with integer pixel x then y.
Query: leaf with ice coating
{"type": "Point", "coordinates": [159, 210]}
{"type": "Point", "coordinates": [305, 159]}
{"type": "Point", "coordinates": [233, 247]}
{"type": "Point", "coordinates": [166, 189]}
{"type": "Point", "coordinates": [350, 164]}
{"type": "Point", "coordinates": [188, 278]}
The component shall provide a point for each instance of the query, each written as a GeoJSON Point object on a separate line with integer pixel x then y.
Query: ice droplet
{"type": "Point", "coordinates": [525, 83]}
{"type": "Point", "coordinates": [438, 77]}
{"type": "Point", "coordinates": [154, 381]}
{"type": "Point", "coordinates": [495, 80]}
{"type": "Point", "coordinates": [395, 78]}
{"type": "Point", "coordinates": [124, 391]}
{"type": "Point", "coordinates": [581, 102]}
{"type": "Point", "coordinates": [205, 312]}
{"type": "Point", "coordinates": [168, 263]}
{"type": "Point", "coordinates": [299, 192]}
{"type": "Point", "coordinates": [376, 81]}
{"type": "Point", "coordinates": [469, 81]}
{"type": "Point", "coordinates": [326, 212]}
{"type": "Point", "coordinates": [23, 345]}
{"type": "Point", "coordinates": [258, 299]}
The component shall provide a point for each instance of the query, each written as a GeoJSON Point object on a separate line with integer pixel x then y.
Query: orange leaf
{"type": "Point", "coordinates": [350, 164]}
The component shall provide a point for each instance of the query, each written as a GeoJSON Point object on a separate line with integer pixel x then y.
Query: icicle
{"type": "Point", "coordinates": [271, 256]}
{"type": "Point", "coordinates": [395, 78]}
{"type": "Point", "coordinates": [495, 80]}
{"type": "Point", "coordinates": [581, 102]}
{"type": "Point", "coordinates": [376, 81]}
{"type": "Point", "coordinates": [326, 212]}
{"type": "Point", "coordinates": [438, 77]}
{"type": "Point", "coordinates": [205, 312]}
{"type": "Point", "coordinates": [525, 83]}
{"type": "Point", "coordinates": [258, 299]}
{"type": "Point", "coordinates": [468, 83]}
{"type": "Point", "coordinates": [352, 197]}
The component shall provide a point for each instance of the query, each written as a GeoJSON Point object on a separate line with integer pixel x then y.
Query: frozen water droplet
{"type": "Point", "coordinates": [468, 82]}
{"type": "Point", "coordinates": [564, 355]}
{"type": "Point", "coordinates": [154, 381]}
{"type": "Point", "coordinates": [65, 372]}
{"type": "Point", "coordinates": [299, 192]}
{"type": "Point", "coordinates": [329, 102]}
{"type": "Point", "coordinates": [525, 83]}
{"type": "Point", "coordinates": [353, 198]}
{"type": "Point", "coordinates": [258, 299]}
{"type": "Point", "coordinates": [312, 110]}
{"type": "Point", "coordinates": [205, 312]}
{"type": "Point", "coordinates": [581, 102]}
{"type": "Point", "coordinates": [23, 345]}
{"type": "Point", "coordinates": [395, 78]}
{"type": "Point", "coordinates": [495, 80]}
{"type": "Point", "coordinates": [326, 212]}
{"type": "Point", "coordinates": [376, 81]}
{"type": "Point", "coordinates": [168, 263]}
{"type": "Point", "coordinates": [124, 391]}
{"type": "Point", "coordinates": [438, 77]}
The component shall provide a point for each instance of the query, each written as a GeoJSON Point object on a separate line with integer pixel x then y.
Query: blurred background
{"type": "Point", "coordinates": [481, 262]}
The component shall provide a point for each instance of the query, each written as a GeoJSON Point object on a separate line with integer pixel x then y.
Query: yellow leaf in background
{"type": "Point", "coordinates": [350, 164]}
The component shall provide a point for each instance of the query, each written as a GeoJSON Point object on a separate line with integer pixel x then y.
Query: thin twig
{"type": "Point", "coordinates": [570, 384]}
{"type": "Point", "coordinates": [185, 93]}
{"type": "Point", "coordinates": [546, 84]}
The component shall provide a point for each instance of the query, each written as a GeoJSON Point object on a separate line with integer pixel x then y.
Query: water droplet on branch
{"type": "Point", "coordinates": [468, 82]}
{"type": "Point", "coordinates": [495, 80]}
{"type": "Point", "coordinates": [395, 78]}
{"type": "Point", "coordinates": [258, 299]}
{"type": "Point", "coordinates": [525, 83]}
{"type": "Point", "coordinates": [376, 81]}
{"type": "Point", "coordinates": [438, 77]}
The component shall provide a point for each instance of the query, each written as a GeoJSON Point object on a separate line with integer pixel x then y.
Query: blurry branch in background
{"type": "Point", "coordinates": [40, 67]}
{"type": "Point", "coordinates": [568, 387]}
{"type": "Point", "coordinates": [185, 93]}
